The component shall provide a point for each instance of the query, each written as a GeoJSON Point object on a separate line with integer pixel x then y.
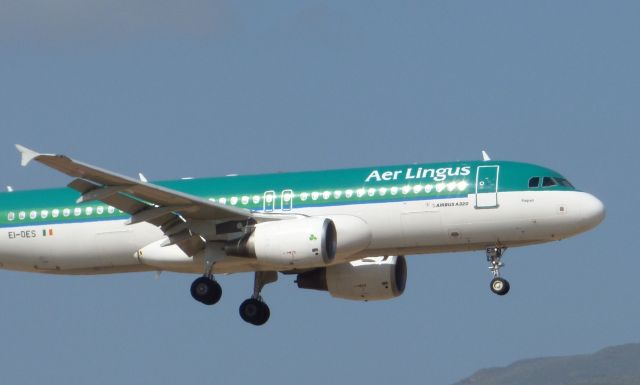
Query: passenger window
{"type": "Point", "coordinates": [548, 182]}
{"type": "Point", "coordinates": [534, 182]}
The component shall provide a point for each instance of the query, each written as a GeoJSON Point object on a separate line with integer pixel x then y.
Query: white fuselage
{"type": "Point", "coordinates": [397, 228]}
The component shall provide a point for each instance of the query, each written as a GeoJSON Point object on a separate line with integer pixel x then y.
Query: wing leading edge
{"type": "Point", "coordinates": [173, 211]}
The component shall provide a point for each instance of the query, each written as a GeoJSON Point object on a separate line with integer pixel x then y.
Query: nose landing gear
{"type": "Point", "coordinates": [499, 285]}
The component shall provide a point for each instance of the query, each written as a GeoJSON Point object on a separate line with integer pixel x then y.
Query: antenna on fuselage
{"type": "Point", "coordinates": [485, 156]}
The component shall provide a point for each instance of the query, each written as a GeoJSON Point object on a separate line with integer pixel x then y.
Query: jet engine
{"type": "Point", "coordinates": [367, 279]}
{"type": "Point", "coordinates": [305, 242]}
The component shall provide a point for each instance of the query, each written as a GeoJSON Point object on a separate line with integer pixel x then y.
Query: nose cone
{"type": "Point", "coordinates": [592, 211]}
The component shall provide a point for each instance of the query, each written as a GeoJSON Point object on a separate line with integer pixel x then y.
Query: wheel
{"type": "Point", "coordinates": [500, 286]}
{"type": "Point", "coordinates": [206, 290]}
{"type": "Point", "coordinates": [254, 312]}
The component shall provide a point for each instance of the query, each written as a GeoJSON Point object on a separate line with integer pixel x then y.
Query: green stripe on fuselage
{"type": "Point", "coordinates": [331, 187]}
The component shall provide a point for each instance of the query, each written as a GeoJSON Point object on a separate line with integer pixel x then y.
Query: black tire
{"type": "Point", "coordinates": [266, 313]}
{"type": "Point", "coordinates": [500, 286]}
{"type": "Point", "coordinates": [206, 290]}
{"type": "Point", "coordinates": [254, 312]}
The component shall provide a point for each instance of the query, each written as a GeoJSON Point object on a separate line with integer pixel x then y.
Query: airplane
{"type": "Point", "coordinates": [343, 231]}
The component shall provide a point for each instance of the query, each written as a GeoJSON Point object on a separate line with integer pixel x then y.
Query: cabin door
{"type": "Point", "coordinates": [487, 187]}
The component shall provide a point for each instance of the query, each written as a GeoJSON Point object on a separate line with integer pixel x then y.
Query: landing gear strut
{"type": "Point", "coordinates": [205, 289]}
{"type": "Point", "coordinates": [499, 285]}
{"type": "Point", "coordinates": [254, 310]}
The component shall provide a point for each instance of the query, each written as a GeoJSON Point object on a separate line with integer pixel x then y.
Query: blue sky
{"type": "Point", "coordinates": [198, 88]}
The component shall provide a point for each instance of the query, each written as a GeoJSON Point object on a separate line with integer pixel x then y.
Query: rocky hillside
{"type": "Point", "coordinates": [618, 365]}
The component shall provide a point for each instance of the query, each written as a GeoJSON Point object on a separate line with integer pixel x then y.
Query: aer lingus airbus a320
{"type": "Point", "coordinates": [343, 231]}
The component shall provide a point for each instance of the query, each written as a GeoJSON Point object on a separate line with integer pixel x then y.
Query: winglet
{"type": "Point", "coordinates": [27, 155]}
{"type": "Point", "coordinates": [485, 156]}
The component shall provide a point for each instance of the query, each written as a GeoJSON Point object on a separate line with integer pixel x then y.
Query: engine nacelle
{"type": "Point", "coordinates": [354, 235]}
{"type": "Point", "coordinates": [367, 279]}
{"type": "Point", "coordinates": [299, 243]}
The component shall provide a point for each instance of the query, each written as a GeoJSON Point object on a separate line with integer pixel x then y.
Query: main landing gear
{"type": "Point", "coordinates": [205, 289]}
{"type": "Point", "coordinates": [499, 285]}
{"type": "Point", "coordinates": [254, 310]}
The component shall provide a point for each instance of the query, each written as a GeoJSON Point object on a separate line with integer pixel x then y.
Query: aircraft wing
{"type": "Point", "coordinates": [173, 211]}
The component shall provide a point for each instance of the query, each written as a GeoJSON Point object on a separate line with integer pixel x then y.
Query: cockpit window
{"type": "Point", "coordinates": [564, 182]}
{"type": "Point", "coordinates": [548, 181]}
{"type": "Point", "coordinates": [534, 182]}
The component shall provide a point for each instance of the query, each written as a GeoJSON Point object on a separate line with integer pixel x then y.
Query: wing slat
{"type": "Point", "coordinates": [148, 192]}
{"type": "Point", "coordinates": [171, 210]}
